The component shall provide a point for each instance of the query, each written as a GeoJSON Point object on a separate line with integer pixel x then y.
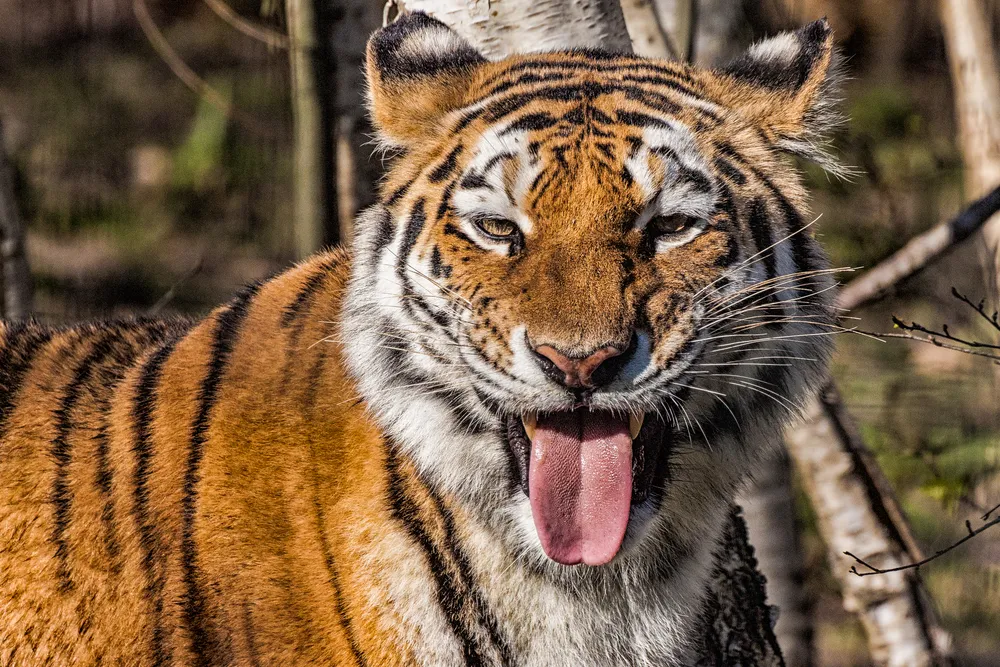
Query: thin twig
{"type": "Point", "coordinates": [932, 340]}
{"type": "Point", "coordinates": [993, 320]}
{"type": "Point", "coordinates": [944, 333]}
{"type": "Point", "coordinates": [187, 75]}
{"type": "Point", "coordinates": [913, 566]}
{"type": "Point", "coordinates": [172, 292]}
{"type": "Point", "coordinates": [272, 38]}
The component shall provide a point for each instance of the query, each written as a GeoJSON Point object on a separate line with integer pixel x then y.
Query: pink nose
{"type": "Point", "coordinates": [577, 372]}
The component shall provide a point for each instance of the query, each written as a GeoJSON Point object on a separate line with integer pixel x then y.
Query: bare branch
{"type": "Point", "coordinates": [272, 38]}
{"type": "Point", "coordinates": [169, 295]}
{"type": "Point", "coordinates": [187, 75]}
{"type": "Point", "coordinates": [993, 320]}
{"type": "Point", "coordinates": [937, 554]}
{"type": "Point", "coordinates": [919, 252]}
{"type": "Point", "coordinates": [931, 340]}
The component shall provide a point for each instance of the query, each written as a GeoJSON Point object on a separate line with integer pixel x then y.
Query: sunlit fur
{"type": "Point", "coordinates": [315, 473]}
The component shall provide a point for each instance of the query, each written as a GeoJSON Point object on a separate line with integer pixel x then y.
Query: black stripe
{"type": "Point", "coordinates": [532, 122]}
{"type": "Point", "coordinates": [384, 231]}
{"type": "Point", "coordinates": [413, 301]}
{"type": "Point", "coordinates": [760, 228]}
{"type": "Point", "coordinates": [445, 169]}
{"type": "Point", "coordinates": [305, 294]}
{"type": "Point", "coordinates": [61, 452]}
{"type": "Point", "coordinates": [474, 180]}
{"type": "Point", "coordinates": [227, 330]}
{"type": "Point", "coordinates": [334, 580]}
{"type": "Point", "coordinates": [639, 119]}
{"type": "Point", "coordinates": [405, 511]}
{"type": "Point", "coordinates": [398, 193]}
{"type": "Point", "coordinates": [249, 633]}
{"type": "Point", "coordinates": [445, 204]}
{"type": "Point", "coordinates": [452, 230]}
{"type": "Point", "coordinates": [697, 178]}
{"type": "Point", "coordinates": [21, 342]}
{"type": "Point", "coordinates": [124, 356]}
{"type": "Point", "coordinates": [142, 415]}
{"type": "Point", "coordinates": [484, 614]}
{"type": "Point", "coordinates": [730, 171]}
{"type": "Point", "coordinates": [312, 387]}
{"type": "Point", "coordinates": [638, 71]}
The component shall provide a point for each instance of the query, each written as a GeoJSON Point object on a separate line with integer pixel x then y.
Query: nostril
{"type": "Point", "coordinates": [576, 372]}
{"type": "Point", "coordinates": [556, 365]}
{"type": "Point", "coordinates": [612, 366]}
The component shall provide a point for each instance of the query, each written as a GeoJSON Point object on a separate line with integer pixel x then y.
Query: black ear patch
{"type": "Point", "coordinates": [786, 61]}
{"type": "Point", "coordinates": [417, 45]}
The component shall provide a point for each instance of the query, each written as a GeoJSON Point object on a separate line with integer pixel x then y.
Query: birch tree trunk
{"type": "Point", "coordinates": [16, 280]}
{"type": "Point", "coordinates": [976, 86]}
{"type": "Point", "coordinates": [513, 26]}
{"type": "Point", "coordinates": [894, 610]}
{"type": "Point", "coordinates": [314, 200]}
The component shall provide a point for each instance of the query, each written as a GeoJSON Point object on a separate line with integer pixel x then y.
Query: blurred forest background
{"type": "Point", "coordinates": [142, 196]}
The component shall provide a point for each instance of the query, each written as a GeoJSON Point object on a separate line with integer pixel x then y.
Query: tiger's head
{"type": "Point", "coordinates": [589, 297]}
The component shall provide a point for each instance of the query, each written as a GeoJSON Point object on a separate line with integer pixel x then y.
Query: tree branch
{"type": "Point", "coordinates": [272, 38]}
{"type": "Point", "coordinates": [919, 252]}
{"type": "Point", "coordinates": [937, 554]}
{"type": "Point", "coordinates": [187, 75]}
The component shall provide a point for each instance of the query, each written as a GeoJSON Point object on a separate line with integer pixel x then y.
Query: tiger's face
{"type": "Point", "coordinates": [589, 275]}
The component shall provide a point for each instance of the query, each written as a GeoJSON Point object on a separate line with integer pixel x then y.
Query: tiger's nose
{"type": "Point", "coordinates": [576, 372]}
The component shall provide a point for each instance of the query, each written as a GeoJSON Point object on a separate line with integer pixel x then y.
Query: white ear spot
{"type": "Point", "coordinates": [781, 49]}
{"type": "Point", "coordinates": [430, 43]}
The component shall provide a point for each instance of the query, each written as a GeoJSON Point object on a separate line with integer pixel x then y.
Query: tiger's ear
{"type": "Point", "coordinates": [418, 70]}
{"type": "Point", "coordinates": [788, 86]}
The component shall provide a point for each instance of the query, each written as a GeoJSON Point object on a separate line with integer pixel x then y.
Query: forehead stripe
{"type": "Point", "coordinates": [445, 169]}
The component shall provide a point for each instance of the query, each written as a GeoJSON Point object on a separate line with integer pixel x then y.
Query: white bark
{"type": "Point", "coordinates": [498, 29]}
{"type": "Point", "coordinates": [648, 38]}
{"type": "Point", "coordinates": [976, 85]}
{"type": "Point", "coordinates": [892, 607]}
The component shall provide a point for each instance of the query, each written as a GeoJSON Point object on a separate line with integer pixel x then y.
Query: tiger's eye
{"type": "Point", "coordinates": [497, 228]}
{"type": "Point", "coordinates": [669, 224]}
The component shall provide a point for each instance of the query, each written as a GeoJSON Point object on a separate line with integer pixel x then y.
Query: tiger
{"type": "Point", "coordinates": [507, 427]}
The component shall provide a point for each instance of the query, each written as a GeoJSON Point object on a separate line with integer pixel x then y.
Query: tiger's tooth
{"type": "Point", "coordinates": [635, 423]}
{"type": "Point", "coordinates": [530, 421]}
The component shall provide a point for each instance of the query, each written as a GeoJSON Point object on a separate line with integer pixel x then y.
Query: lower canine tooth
{"type": "Point", "coordinates": [530, 421]}
{"type": "Point", "coordinates": [635, 423]}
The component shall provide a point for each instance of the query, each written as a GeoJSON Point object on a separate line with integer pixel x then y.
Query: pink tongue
{"type": "Point", "coordinates": [580, 485]}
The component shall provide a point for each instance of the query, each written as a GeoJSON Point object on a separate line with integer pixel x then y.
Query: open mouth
{"type": "Point", "coordinates": [583, 471]}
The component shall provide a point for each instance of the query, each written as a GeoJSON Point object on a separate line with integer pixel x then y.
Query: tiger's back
{"type": "Point", "coordinates": [123, 530]}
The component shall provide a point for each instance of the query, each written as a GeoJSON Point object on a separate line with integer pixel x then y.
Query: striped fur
{"type": "Point", "coordinates": [317, 472]}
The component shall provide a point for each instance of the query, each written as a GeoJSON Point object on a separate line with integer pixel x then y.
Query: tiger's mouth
{"type": "Point", "coordinates": [583, 471]}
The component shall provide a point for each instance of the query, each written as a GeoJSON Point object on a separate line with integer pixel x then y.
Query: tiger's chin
{"type": "Point", "coordinates": [585, 473]}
